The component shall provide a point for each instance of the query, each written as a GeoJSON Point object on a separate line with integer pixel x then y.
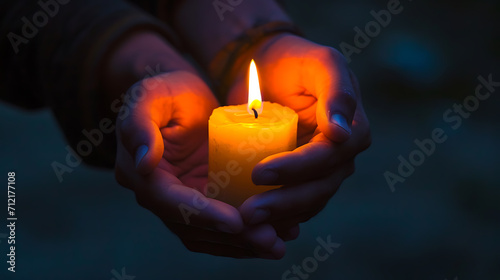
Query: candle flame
{"type": "Point", "coordinates": [254, 95]}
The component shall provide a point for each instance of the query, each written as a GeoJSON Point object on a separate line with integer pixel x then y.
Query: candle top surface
{"type": "Point", "coordinates": [273, 114]}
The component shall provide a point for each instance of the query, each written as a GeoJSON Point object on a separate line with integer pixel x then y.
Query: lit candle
{"type": "Point", "coordinates": [242, 135]}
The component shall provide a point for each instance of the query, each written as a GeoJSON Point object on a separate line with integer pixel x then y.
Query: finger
{"type": "Point", "coordinates": [277, 251]}
{"type": "Point", "coordinates": [286, 232]}
{"type": "Point", "coordinates": [260, 241]}
{"type": "Point", "coordinates": [180, 101]}
{"type": "Point", "coordinates": [142, 139]}
{"type": "Point", "coordinates": [215, 249]}
{"type": "Point", "coordinates": [336, 96]}
{"type": "Point", "coordinates": [187, 125]}
{"type": "Point", "coordinates": [220, 250]}
{"type": "Point", "coordinates": [174, 202]}
{"type": "Point", "coordinates": [139, 132]}
{"type": "Point", "coordinates": [308, 162]}
{"type": "Point", "coordinates": [260, 238]}
{"type": "Point", "coordinates": [289, 202]}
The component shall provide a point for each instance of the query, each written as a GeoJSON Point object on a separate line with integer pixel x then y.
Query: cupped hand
{"type": "Point", "coordinates": [317, 83]}
{"type": "Point", "coordinates": [162, 135]}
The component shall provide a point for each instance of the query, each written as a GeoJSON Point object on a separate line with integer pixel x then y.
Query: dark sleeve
{"type": "Point", "coordinates": [51, 53]}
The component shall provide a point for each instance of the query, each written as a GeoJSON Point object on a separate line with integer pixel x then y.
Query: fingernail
{"type": "Point", "coordinates": [139, 154]}
{"type": "Point", "coordinates": [224, 228]}
{"type": "Point", "coordinates": [341, 121]}
{"type": "Point", "coordinates": [267, 177]}
{"type": "Point", "coordinates": [259, 215]}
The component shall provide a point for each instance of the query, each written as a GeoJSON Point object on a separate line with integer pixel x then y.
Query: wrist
{"type": "Point", "coordinates": [139, 55]}
{"type": "Point", "coordinates": [230, 66]}
{"type": "Point", "coordinates": [215, 27]}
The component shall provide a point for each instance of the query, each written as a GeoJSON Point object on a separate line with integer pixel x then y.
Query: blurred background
{"type": "Point", "coordinates": [442, 222]}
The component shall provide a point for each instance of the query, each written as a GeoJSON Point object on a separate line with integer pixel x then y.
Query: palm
{"type": "Point", "coordinates": [186, 157]}
{"type": "Point", "coordinates": [289, 79]}
{"type": "Point", "coordinates": [303, 104]}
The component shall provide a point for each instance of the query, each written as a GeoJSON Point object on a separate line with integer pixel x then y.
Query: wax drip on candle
{"type": "Point", "coordinates": [255, 113]}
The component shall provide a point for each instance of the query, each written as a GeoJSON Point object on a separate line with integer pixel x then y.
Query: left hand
{"type": "Point", "coordinates": [316, 82]}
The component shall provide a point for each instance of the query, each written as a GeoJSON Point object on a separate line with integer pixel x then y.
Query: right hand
{"type": "Point", "coordinates": [162, 156]}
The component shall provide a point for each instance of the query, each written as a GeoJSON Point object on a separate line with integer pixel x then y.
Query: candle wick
{"type": "Point", "coordinates": [255, 113]}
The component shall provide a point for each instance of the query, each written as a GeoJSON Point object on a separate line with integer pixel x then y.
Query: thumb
{"type": "Point", "coordinates": [336, 100]}
{"type": "Point", "coordinates": [139, 133]}
{"type": "Point", "coordinates": [143, 140]}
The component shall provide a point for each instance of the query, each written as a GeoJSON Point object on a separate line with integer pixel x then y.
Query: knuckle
{"type": "Point", "coordinates": [338, 56]}
{"type": "Point", "coordinates": [328, 190]}
{"type": "Point", "coordinates": [350, 169]}
{"type": "Point", "coordinates": [367, 139]}
{"type": "Point", "coordinates": [314, 210]}
{"type": "Point", "coordinates": [331, 54]}
{"type": "Point", "coordinates": [140, 199]}
{"type": "Point", "coordinates": [349, 91]}
{"type": "Point", "coordinates": [354, 80]}
{"type": "Point", "coordinates": [349, 96]}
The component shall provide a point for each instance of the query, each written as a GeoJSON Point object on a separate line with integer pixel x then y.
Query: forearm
{"type": "Point", "coordinates": [206, 29]}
